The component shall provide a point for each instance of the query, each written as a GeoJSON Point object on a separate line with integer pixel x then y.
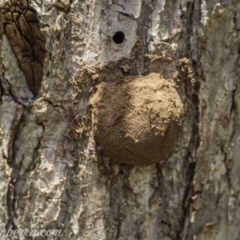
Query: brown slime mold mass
{"type": "Point", "coordinates": [137, 120]}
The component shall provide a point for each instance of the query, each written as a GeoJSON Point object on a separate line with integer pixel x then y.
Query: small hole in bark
{"type": "Point", "coordinates": [118, 37]}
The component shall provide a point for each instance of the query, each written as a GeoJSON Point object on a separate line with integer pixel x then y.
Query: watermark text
{"type": "Point", "coordinates": [10, 232]}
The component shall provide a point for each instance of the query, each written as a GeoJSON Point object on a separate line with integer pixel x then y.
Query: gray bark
{"type": "Point", "coordinates": [53, 174]}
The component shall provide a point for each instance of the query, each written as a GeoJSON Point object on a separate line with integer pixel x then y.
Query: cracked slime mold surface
{"type": "Point", "coordinates": [137, 120]}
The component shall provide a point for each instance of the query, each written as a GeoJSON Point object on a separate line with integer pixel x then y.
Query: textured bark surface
{"type": "Point", "coordinates": [22, 30]}
{"type": "Point", "coordinates": [54, 174]}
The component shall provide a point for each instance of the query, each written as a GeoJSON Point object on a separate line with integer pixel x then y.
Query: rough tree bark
{"type": "Point", "coordinates": [53, 173]}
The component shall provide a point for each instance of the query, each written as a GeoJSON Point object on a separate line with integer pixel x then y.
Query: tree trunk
{"type": "Point", "coordinates": [57, 174]}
